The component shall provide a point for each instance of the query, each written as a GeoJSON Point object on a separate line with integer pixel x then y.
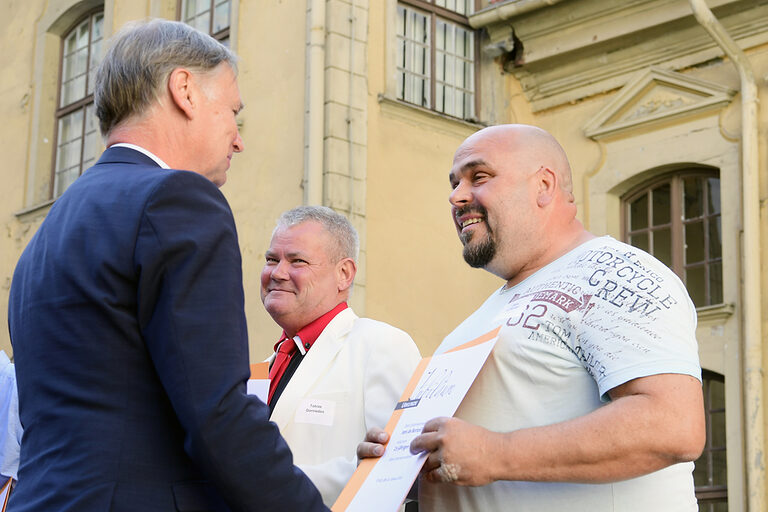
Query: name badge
{"type": "Point", "coordinates": [316, 412]}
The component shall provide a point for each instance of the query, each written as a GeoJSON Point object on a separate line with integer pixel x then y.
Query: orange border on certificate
{"type": "Point", "coordinates": [260, 370]}
{"type": "Point", "coordinates": [5, 490]}
{"type": "Point", "coordinates": [366, 465]}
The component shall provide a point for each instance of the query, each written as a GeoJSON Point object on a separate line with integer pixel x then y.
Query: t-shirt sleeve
{"type": "Point", "coordinates": [640, 320]}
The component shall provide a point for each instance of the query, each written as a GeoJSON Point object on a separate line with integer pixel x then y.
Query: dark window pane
{"type": "Point", "coordinates": [714, 195]}
{"type": "Point", "coordinates": [662, 245]}
{"type": "Point", "coordinates": [640, 241]}
{"type": "Point", "coordinates": [700, 478]}
{"type": "Point", "coordinates": [719, 475]}
{"type": "Point", "coordinates": [720, 507]}
{"type": "Point", "coordinates": [716, 283]}
{"type": "Point", "coordinates": [694, 242]}
{"type": "Point", "coordinates": [638, 213]}
{"type": "Point", "coordinates": [715, 238]}
{"type": "Point", "coordinates": [692, 197]}
{"type": "Point", "coordinates": [716, 394]}
{"type": "Point", "coordinates": [718, 429]}
{"type": "Point", "coordinates": [694, 281]}
{"type": "Point", "coordinates": [661, 205]}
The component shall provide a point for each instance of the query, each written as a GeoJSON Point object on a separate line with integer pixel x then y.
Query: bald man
{"type": "Point", "coordinates": [591, 399]}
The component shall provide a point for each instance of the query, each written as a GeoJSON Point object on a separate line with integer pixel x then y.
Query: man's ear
{"type": "Point", "coordinates": [183, 91]}
{"type": "Point", "coordinates": [546, 186]}
{"type": "Point", "coordinates": [345, 273]}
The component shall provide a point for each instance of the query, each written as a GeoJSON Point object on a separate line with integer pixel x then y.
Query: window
{"type": "Point", "coordinates": [209, 16]}
{"type": "Point", "coordinates": [78, 141]}
{"type": "Point", "coordinates": [436, 55]}
{"type": "Point", "coordinates": [677, 219]}
{"type": "Point", "coordinates": [710, 473]}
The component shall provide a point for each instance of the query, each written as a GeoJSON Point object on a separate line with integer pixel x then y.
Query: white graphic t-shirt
{"type": "Point", "coordinates": [599, 316]}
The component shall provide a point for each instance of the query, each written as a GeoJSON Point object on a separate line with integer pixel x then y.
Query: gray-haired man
{"type": "Point", "coordinates": [126, 310]}
{"type": "Point", "coordinates": [334, 375]}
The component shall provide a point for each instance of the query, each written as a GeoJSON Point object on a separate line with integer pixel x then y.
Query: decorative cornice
{"type": "Point", "coordinates": [656, 95]}
{"type": "Point", "coordinates": [580, 48]}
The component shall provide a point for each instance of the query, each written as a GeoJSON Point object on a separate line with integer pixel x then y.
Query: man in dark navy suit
{"type": "Point", "coordinates": [126, 310]}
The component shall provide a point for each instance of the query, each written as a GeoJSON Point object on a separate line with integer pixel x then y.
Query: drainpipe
{"type": "Point", "coordinates": [751, 277]}
{"type": "Point", "coordinates": [313, 189]}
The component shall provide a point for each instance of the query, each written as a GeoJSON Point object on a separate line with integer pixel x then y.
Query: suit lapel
{"type": "Point", "coordinates": [314, 366]}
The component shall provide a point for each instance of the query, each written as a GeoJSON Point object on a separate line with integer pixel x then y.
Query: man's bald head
{"type": "Point", "coordinates": [530, 145]}
{"type": "Point", "coordinates": [512, 199]}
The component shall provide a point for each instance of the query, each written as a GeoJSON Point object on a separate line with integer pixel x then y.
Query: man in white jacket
{"type": "Point", "coordinates": [333, 375]}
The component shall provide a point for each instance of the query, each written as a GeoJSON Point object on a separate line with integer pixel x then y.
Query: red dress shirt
{"type": "Point", "coordinates": [286, 348]}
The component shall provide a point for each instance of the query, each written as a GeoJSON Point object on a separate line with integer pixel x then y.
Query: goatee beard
{"type": "Point", "coordinates": [479, 254]}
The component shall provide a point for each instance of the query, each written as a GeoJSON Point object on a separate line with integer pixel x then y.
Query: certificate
{"type": "Point", "coordinates": [436, 388]}
{"type": "Point", "coordinates": [258, 384]}
{"type": "Point", "coordinates": [5, 493]}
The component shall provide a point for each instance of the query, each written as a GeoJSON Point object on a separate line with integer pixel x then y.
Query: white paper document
{"type": "Point", "coordinates": [437, 387]}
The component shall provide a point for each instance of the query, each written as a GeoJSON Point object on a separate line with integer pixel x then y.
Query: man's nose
{"type": "Point", "coordinates": [461, 195]}
{"type": "Point", "coordinates": [237, 145]}
{"type": "Point", "coordinates": [279, 271]}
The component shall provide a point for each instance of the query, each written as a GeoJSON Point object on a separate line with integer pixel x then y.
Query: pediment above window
{"type": "Point", "coordinates": [654, 96]}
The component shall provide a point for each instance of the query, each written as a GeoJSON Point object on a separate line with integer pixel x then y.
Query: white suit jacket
{"type": "Point", "coordinates": [349, 381]}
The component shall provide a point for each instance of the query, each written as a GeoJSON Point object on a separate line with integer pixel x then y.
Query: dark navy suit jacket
{"type": "Point", "coordinates": [129, 338]}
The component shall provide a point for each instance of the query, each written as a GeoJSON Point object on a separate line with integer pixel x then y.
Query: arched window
{"type": "Point", "coordinates": [677, 219]}
{"type": "Point", "coordinates": [78, 141]}
{"type": "Point", "coordinates": [710, 474]}
{"type": "Point", "coordinates": [210, 16]}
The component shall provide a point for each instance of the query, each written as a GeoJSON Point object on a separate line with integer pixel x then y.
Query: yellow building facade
{"type": "Point", "coordinates": [360, 104]}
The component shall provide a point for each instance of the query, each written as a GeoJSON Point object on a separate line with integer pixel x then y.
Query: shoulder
{"type": "Point", "coordinates": [185, 190]}
{"type": "Point", "coordinates": [381, 338]}
{"type": "Point", "coordinates": [368, 325]}
{"type": "Point", "coordinates": [609, 262]}
{"type": "Point", "coordinates": [172, 180]}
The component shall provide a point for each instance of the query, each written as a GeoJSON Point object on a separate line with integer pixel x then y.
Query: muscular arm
{"type": "Point", "coordinates": [651, 422]}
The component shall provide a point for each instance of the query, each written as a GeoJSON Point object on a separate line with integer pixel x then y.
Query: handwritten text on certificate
{"type": "Point", "coordinates": [437, 387]}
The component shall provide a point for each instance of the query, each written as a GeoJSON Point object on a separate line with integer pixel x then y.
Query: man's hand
{"type": "Point", "coordinates": [459, 452]}
{"type": "Point", "coordinates": [373, 444]}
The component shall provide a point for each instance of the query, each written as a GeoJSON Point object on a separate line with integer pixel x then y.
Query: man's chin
{"type": "Point", "coordinates": [275, 306]}
{"type": "Point", "coordinates": [479, 255]}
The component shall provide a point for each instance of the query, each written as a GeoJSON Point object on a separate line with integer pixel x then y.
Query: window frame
{"type": "Point", "coordinates": [677, 224]}
{"type": "Point", "coordinates": [61, 112]}
{"type": "Point", "coordinates": [221, 35]}
{"type": "Point", "coordinates": [433, 11]}
{"type": "Point", "coordinates": [712, 494]}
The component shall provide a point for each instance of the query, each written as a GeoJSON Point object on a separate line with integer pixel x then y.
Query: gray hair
{"type": "Point", "coordinates": [337, 225]}
{"type": "Point", "coordinates": [139, 60]}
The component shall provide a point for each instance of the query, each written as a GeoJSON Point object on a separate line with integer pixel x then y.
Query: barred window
{"type": "Point", "coordinates": [210, 16]}
{"type": "Point", "coordinates": [436, 56]}
{"type": "Point", "coordinates": [78, 142]}
{"type": "Point", "coordinates": [677, 219]}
